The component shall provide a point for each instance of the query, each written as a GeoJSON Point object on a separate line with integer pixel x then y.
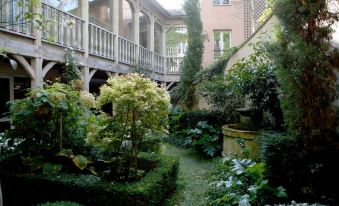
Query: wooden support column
{"type": "Point", "coordinates": [36, 64]}
{"type": "Point", "coordinates": [115, 19]}
{"type": "Point", "coordinates": [136, 30]}
{"type": "Point", "coordinates": [84, 14]}
{"type": "Point", "coordinates": [151, 32]}
{"type": "Point", "coordinates": [151, 42]}
{"type": "Point", "coordinates": [85, 77]}
{"type": "Point", "coordinates": [163, 48]}
{"type": "Point", "coordinates": [36, 31]}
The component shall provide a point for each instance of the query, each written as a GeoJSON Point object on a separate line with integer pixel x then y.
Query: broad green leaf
{"type": "Point", "coordinates": [281, 192]}
{"type": "Point", "coordinates": [65, 153]}
{"type": "Point", "coordinates": [51, 168]}
{"type": "Point", "coordinates": [33, 163]}
{"type": "Point", "coordinates": [80, 161]}
{"type": "Point", "coordinates": [93, 171]}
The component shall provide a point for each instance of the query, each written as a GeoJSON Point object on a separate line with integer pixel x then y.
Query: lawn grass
{"type": "Point", "coordinates": [193, 182]}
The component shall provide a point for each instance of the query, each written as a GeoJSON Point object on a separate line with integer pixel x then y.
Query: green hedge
{"type": "Point", "coordinates": [91, 190]}
{"type": "Point", "coordinates": [191, 119]}
{"type": "Point", "coordinates": [61, 203]}
{"type": "Point", "coordinates": [307, 175]}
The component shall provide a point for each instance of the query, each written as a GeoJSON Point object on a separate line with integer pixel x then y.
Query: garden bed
{"type": "Point", "coordinates": [91, 190]}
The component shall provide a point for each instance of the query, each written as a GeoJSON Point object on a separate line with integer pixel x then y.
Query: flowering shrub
{"type": "Point", "coordinates": [49, 119]}
{"type": "Point", "coordinates": [87, 99]}
{"type": "Point", "coordinates": [139, 107]}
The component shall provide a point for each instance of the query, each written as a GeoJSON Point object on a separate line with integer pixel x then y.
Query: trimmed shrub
{"type": "Point", "coordinates": [61, 203]}
{"type": "Point", "coordinates": [91, 190]}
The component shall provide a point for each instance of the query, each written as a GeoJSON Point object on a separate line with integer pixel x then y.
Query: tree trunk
{"type": "Point", "coordinates": [1, 200]}
{"type": "Point", "coordinates": [60, 134]}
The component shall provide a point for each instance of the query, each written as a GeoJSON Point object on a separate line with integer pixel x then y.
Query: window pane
{"type": "Point", "coordinates": [216, 1]}
{"type": "Point", "coordinates": [227, 40]}
{"type": "Point", "coordinates": [217, 40]}
{"type": "Point", "coordinates": [225, 1]}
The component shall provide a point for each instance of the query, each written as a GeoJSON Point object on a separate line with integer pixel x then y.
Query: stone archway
{"type": "Point", "coordinates": [97, 79]}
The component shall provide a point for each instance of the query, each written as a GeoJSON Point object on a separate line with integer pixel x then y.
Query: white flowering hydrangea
{"type": "Point", "coordinates": [135, 93]}
{"type": "Point", "coordinates": [87, 99]}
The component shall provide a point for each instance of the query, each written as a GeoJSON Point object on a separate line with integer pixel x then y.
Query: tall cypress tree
{"type": "Point", "coordinates": [193, 59]}
{"type": "Point", "coordinates": [305, 61]}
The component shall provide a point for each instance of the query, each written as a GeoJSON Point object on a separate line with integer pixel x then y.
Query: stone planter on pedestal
{"type": "Point", "coordinates": [243, 132]}
{"type": "Point", "coordinates": [231, 146]}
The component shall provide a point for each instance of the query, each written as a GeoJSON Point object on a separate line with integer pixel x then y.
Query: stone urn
{"type": "Point", "coordinates": [241, 137]}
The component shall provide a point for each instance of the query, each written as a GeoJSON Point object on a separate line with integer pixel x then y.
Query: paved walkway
{"type": "Point", "coordinates": [193, 177]}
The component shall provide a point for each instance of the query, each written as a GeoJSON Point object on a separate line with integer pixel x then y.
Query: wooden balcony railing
{"type": "Point", "coordinates": [66, 30]}
{"type": "Point", "coordinates": [63, 28]}
{"type": "Point", "coordinates": [173, 64]}
{"type": "Point", "coordinates": [158, 63]}
{"type": "Point", "coordinates": [145, 58]}
{"type": "Point", "coordinates": [101, 41]}
{"type": "Point", "coordinates": [12, 17]}
{"type": "Point", "coordinates": [127, 51]}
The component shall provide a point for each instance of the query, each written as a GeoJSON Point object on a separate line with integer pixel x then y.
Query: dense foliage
{"type": "Point", "coordinates": [50, 119]}
{"type": "Point", "coordinates": [57, 130]}
{"type": "Point", "coordinates": [304, 61]}
{"type": "Point", "coordinates": [186, 92]}
{"type": "Point", "coordinates": [93, 191]}
{"type": "Point", "coordinates": [71, 71]}
{"type": "Point", "coordinates": [250, 79]}
{"type": "Point", "coordinates": [139, 108]}
{"type": "Point", "coordinates": [61, 203]}
{"type": "Point", "coordinates": [242, 182]}
{"type": "Point", "coordinates": [200, 130]}
{"type": "Point", "coordinates": [307, 176]}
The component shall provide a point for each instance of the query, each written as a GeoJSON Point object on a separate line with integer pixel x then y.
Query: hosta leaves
{"type": "Point", "coordinates": [240, 165]}
{"type": "Point", "coordinates": [51, 168]}
{"type": "Point", "coordinates": [280, 192]}
{"type": "Point", "coordinates": [93, 171]}
{"type": "Point", "coordinates": [80, 161]}
{"type": "Point", "coordinates": [65, 153]}
{"type": "Point", "coordinates": [33, 163]}
{"type": "Point", "coordinates": [210, 150]}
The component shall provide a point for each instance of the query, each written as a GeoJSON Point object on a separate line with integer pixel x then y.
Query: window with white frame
{"type": "Point", "coordinates": [222, 42]}
{"type": "Point", "coordinates": [221, 2]}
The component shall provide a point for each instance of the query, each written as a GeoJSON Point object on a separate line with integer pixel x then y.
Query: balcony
{"type": "Point", "coordinates": [97, 48]}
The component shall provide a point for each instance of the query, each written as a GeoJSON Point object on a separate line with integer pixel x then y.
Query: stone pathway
{"type": "Point", "coordinates": [193, 177]}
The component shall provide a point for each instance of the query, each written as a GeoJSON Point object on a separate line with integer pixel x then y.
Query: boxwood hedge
{"type": "Point", "coordinates": [90, 190]}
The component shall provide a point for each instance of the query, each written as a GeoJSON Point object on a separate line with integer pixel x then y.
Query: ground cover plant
{"type": "Point", "coordinates": [242, 182]}
{"type": "Point", "coordinates": [200, 130]}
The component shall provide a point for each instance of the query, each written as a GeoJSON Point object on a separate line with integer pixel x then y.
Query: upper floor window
{"type": "Point", "coordinates": [221, 2]}
{"type": "Point", "coordinates": [222, 42]}
{"type": "Point", "coordinates": [108, 14]}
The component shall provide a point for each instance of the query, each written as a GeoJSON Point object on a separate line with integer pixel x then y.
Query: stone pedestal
{"type": "Point", "coordinates": [232, 132]}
